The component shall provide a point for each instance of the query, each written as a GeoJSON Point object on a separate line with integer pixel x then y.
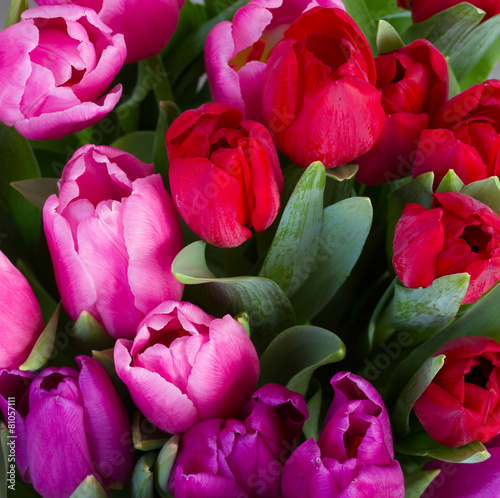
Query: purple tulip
{"type": "Point", "coordinates": [73, 425]}
{"type": "Point", "coordinates": [354, 454]}
{"type": "Point", "coordinates": [184, 366]}
{"type": "Point", "coordinates": [146, 26]}
{"type": "Point", "coordinates": [20, 317]}
{"type": "Point", "coordinates": [241, 457]}
{"type": "Point", "coordinates": [55, 65]}
{"type": "Point", "coordinates": [112, 233]}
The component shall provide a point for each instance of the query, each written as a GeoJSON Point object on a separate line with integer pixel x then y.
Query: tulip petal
{"type": "Point", "coordinates": [202, 485]}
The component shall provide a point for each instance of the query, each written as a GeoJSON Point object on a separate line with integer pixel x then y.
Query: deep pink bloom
{"type": "Point", "coordinates": [184, 366]}
{"type": "Point", "coordinates": [462, 403]}
{"type": "Point", "coordinates": [465, 136]}
{"type": "Point", "coordinates": [414, 84]}
{"type": "Point", "coordinates": [112, 233]}
{"type": "Point", "coordinates": [55, 66]}
{"type": "Point", "coordinates": [459, 234]}
{"type": "Point", "coordinates": [236, 52]}
{"type": "Point", "coordinates": [69, 424]}
{"type": "Point", "coordinates": [224, 174]}
{"type": "Point", "coordinates": [243, 456]}
{"type": "Point", "coordinates": [20, 317]}
{"type": "Point", "coordinates": [146, 26]}
{"type": "Point", "coordinates": [354, 454]}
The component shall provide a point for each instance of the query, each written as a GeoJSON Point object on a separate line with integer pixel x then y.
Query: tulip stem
{"type": "Point", "coordinates": [155, 70]}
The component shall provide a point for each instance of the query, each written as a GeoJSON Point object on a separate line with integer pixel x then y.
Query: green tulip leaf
{"type": "Point", "coordinates": [378, 331]}
{"type": "Point", "coordinates": [450, 183]}
{"type": "Point", "coordinates": [388, 38]}
{"type": "Point", "coordinates": [44, 346]}
{"type": "Point", "coordinates": [37, 190]}
{"type": "Point", "coordinates": [165, 463]}
{"type": "Point", "coordinates": [138, 143]}
{"type": "Point", "coordinates": [143, 478]}
{"type": "Point", "coordinates": [146, 436]}
{"type": "Point", "coordinates": [298, 233]}
{"type": "Point", "coordinates": [360, 11]}
{"type": "Point", "coordinates": [346, 226]}
{"type": "Point", "coordinates": [16, 8]}
{"type": "Point", "coordinates": [90, 333]}
{"type": "Point", "coordinates": [400, 419]}
{"type": "Point", "coordinates": [311, 427]}
{"type": "Point", "coordinates": [268, 308]}
{"type": "Point", "coordinates": [340, 183]}
{"type": "Point", "coordinates": [417, 482]}
{"type": "Point", "coordinates": [427, 307]}
{"type": "Point", "coordinates": [89, 487]}
{"type": "Point", "coordinates": [296, 353]}
{"type": "Point", "coordinates": [486, 191]}
{"type": "Point", "coordinates": [168, 112]}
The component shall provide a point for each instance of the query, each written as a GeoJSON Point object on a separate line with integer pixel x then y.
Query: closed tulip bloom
{"type": "Point", "coordinates": [20, 317]}
{"type": "Point", "coordinates": [224, 174]}
{"type": "Point", "coordinates": [354, 454]}
{"type": "Point", "coordinates": [55, 66]}
{"type": "Point", "coordinates": [184, 366]}
{"type": "Point", "coordinates": [241, 456]}
{"type": "Point", "coordinates": [112, 233]}
{"type": "Point", "coordinates": [146, 26]}
{"type": "Point", "coordinates": [319, 97]}
{"type": "Point", "coordinates": [236, 52]}
{"type": "Point", "coordinates": [75, 425]}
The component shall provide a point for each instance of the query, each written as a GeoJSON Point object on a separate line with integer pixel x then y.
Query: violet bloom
{"type": "Point", "coordinates": [241, 457]}
{"type": "Point", "coordinates": [112, 233]}
{"type": "Point", "coordinates": [69, 425]}
{"type": "Point", "coordinates": [20, 317]}
{"type": "Point", "coordinates": [354, 455]}
{"type": "Point", "coordinates": [236, 52]}
{"type": "Point", "coordinates": [184, 366]}
{"type": "Point", "coordinates": [55, 66]}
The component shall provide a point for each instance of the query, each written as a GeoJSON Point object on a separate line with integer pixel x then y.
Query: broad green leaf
{"type": "Point", "coordinates": [145, 435]}
{"type": "Point", "coordinates": [377, 331]}
{"type": "Point", "coordinates": [388, 38]}
{"type": "Point", "coordinates": [89, 487]}
{"type": "Point", "coordinates": [454, 86]}
{"type": "Point", "coordinates": [296, 353]}
{"type": "Point", "coordinates": [165, 462]}
{"type": "Point", "coordinates": [44, 346]}
{"type": "Point", "coordinates": [267, 306]}
{"type": "Point", "coordinates": [360, 12]}
{"type": "Point", "coordinates": [417, 482]}
{"type": "Point", "coordinates": [16, 8]}
{"type": "Point", "coordinates": [427, 307]}
{"type": "Point", "coordinates": [340, 184]}
{"type": "Point", "coordinates": [18, 163]}
{"type": "Point", "coordinates": [400, 419]}
{"type": "Point", "coordinates": [37, 190]}
{"type": "Point", "coordinates": [487, 191]}
{"type": "Point", "coordinates": [421, 444]}
{"type": "Point", "coordinates": [346, 225]}
{"type": "Point", "coordinates": [298, 233]}
{"type": "Point", "coordinates": [90, 333]}
{"type": "Point", "coordinates": [142, 477]}
{"type": "Point", "coordinates": [138, 143]}
{"type": "Point", "coordinates": [450, 183]}
{"type": "Point", "coordinates": [311, 425]}
{"type": "Point", "coordinates": [168, 111]}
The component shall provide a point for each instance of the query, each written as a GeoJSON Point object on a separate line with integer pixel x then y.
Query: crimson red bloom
{"type": "Point", "coordinates": [414, 84]}
{"type": "Point", "coordinates": [224, 174]}
{"type": "Point", "coordinates": [462, 403]}
{"type": "Point", "coordinates": [459, 234]}
{"type": "Point", "coordinates": [319, 97]}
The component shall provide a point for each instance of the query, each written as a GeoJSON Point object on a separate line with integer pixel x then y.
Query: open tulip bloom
{"type": "Point", "coordinates": [250, 249]}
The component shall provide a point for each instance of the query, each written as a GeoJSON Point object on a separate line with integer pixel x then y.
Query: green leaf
{"type": "Point", "coordinates": [298, 233]}
{"type": "Point", "coordinates": [296, 353]}
{"type": "Point", "coordinates": [417, 482]}
{"type": "Point", "coordinates": [138, 143]}
{"type": "Point", "coordinates": [165, 463]}
{"type": "Point", "coordinates": [450, 183]}
{"type": "Point", "coordinates": [16, 8]}
{"type": "Point", "coordinates": [427, 307]}
{"type": "Point", "coordinates": [267, 306]}
{"type": "Point", "coordinates": [89, 487]}
{"type": "Point", "coordinates": [487, 191]}
{"type": "Point", "coordinates": [44, 346]}
{"type": "Point", "coordinates": [360, 12]}
{"type": "Point", "coordinates": [168, 111]}
{"type": "Point", "coordinates": [388, 38]}
{"type": "Point", "coordinates": [18, 163]}
{"type": "Point", "coordinates": [340, 183]}
{"type": "Point", "coordinates": [311, 427]}
{"type": "Point", "coordinates": [343, 234]}
{"type": "Point", "coordinates": [378, 331]}
{"type": "Point", "coordinates": [90, 333]}
{"type": "Point", "coordinates": [400, 419]}
{"type": "Point", "coordinates": [142, 477]}
{"type": "Point", "coordinates": [454, 86]}
{"type": "Point", "coordinates": [37, 190]}
{"type": "Point", "coordinates": [145, 435]}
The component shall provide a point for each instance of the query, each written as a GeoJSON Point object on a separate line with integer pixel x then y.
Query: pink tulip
{"type": "Point", "coordinates": [184, 366]}
{"type": "Point", "coordinates": [112, 233]}
{"type": "Point", "coordinates": [146, 26]}
{"type": "Point", "coordinates": [20, 317]}
{"type": "Point", "coordinates": [236, 52]}
{"type": "Point", "coordinates": [55, 66]}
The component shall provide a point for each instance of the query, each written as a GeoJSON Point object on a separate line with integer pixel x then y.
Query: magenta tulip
{"type": "Point", "coordinates": [354, 455]}
{"type": "Point", "coordinates": [244, 456]}
{"type": "Point", "coordinates": [72, 424]}
{"type": "Point", "coordinates": [236, 52]}
{"type": "Point", "coordinates": [184, 366]}
{"type": "Point", "coordinates": [55, 65]}
{"type": "Point", "coordinates": [20, 317]}
{"type": "Point", "coordinates": [146, 26]}
{"type": "Point", "coordinates": [112, 233]}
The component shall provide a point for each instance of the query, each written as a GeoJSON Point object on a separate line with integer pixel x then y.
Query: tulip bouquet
{"type": "Point", "coordinates": [250, 249]}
